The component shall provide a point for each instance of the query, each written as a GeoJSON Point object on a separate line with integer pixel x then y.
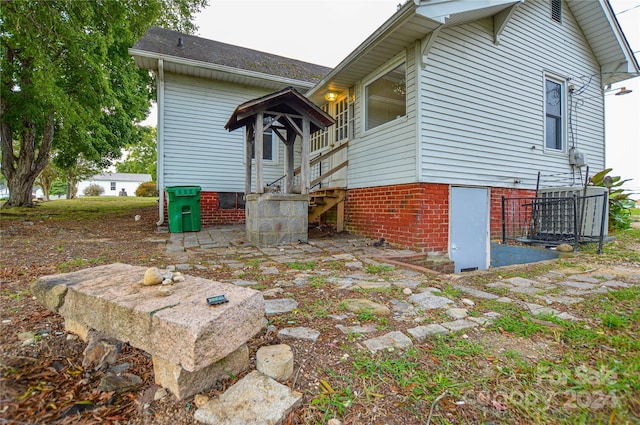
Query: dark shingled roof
{"type": "Point", "coordinates": [165, 42]}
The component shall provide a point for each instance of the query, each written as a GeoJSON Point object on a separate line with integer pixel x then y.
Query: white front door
{"type": "Point", "coordinates": [469, 232]}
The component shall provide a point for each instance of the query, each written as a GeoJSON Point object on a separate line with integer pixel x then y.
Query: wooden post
{"type": "Point", "coordinates": [305, 175]}
{"type": "Point", "coordinates": [259, 147]}
{"type": "Point", "coordinates": [340, 217]}
{"type": "Point", "coordinates": [248, 154]}
{"type": "Point", "coordinates": [289, 157]}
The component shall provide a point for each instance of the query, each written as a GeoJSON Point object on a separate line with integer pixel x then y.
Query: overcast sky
{"type": "Point", "coordinates": [324, 32]}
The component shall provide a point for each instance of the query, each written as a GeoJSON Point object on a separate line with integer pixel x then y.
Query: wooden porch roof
{"type": "Point", "coordinates": [287, 101]}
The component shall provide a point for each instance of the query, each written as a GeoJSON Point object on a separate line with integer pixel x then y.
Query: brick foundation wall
{"type": "Point", "coordinates": [413, 215]}
{"type": "Point", "coordinates": [495, 208]}
{"type": "Point", "coordinates": [210, 214]}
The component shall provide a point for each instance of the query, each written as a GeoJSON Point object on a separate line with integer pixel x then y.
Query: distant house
{"type": "Point", "coordinates": [114, 183]}
{"type": "Point", "coordinates": [442, 110]}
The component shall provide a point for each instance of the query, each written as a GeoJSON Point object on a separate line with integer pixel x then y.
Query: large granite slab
{"type": "Point", "coordinates": [180, 328]}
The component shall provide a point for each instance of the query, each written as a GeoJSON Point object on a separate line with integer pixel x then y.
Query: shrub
{"type": "Point", "coordinates": [93, 190]}
{"type": "Point", "coordinates": [147, 189]}
{"type": "Point", "coordinates": [619, 203]}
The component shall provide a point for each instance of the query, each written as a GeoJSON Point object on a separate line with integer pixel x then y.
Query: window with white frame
{"type": "Point", "coordinates": [320, 139]}
{"type": "Point", "coordinates": [342, 119]}
{"type": "Point", "coordinates": [386, 97]}
{"type": "Point", "coordinates": [554, 114]}
{"type": "Point", "coordinates": [113, 185]}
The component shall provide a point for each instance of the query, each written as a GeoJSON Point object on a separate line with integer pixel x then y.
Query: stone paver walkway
{"type": "Point", "coordinates": [549, 294]}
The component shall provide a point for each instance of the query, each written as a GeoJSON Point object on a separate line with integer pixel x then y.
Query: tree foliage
{"type": "Point", "coordinates": [141, 157]}
{"type": "Point", "coordinates": [68, 83]}
{"type": "Point", "coordinates": [619, 202]}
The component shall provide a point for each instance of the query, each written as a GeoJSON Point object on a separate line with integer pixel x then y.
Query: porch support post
{"type": "Point", "coordinates": [248, 153]}
{"type": "Point", "coordinates": [259, 147]}
{"type": "Point", "coordinates": [289, 156]}
{"type": "Point", "coordinates": [305, 175]}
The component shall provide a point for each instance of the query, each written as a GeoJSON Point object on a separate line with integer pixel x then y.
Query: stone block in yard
{"type": "Point", "coordinates": [180, 328]}
{"type": "Point", "coordinates": [422, 332]}
{"type": "Point", "coordinates": [395, 339]}
{"type": "Point", "coordinates": [183, 383]}
{"type": "Point", "coordinates": [256, 399]}
{"type": "Point", "coordinates": [275, 361]}
{"type": "Point", "coordinates": [428, 301]}
{"type": "Point", "coordinates": [366, 306]}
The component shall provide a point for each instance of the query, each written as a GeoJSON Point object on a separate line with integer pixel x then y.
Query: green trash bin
{"type": "Point", "coordinates": [184, 208]}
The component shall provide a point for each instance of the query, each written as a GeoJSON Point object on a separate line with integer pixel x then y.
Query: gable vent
{"type": "Point", "coordinates": [556, 10]}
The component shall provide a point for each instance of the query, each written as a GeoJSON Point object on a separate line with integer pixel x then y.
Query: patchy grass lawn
{"type": "Point", "coordinates": [522, 369]}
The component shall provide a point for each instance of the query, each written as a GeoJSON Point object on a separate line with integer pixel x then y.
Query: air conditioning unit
{"type": "Point", "coordinates": [555, 211]}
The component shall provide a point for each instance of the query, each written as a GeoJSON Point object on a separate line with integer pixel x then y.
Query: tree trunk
{"type": "Point", "coordinates": [21, 190]}
{"type": "Point", "coordinates": [21, 171]}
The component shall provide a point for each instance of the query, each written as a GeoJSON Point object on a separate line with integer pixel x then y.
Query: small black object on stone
{"type": "Point", "coordinates": [218, 299]}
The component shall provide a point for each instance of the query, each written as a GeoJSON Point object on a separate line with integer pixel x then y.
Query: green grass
{"type": "Point", "coordinates": [317, 281]}
{"type": "Point", "coordinates": [79, 263]}
{"type": "Point", "coordinates": [80, 209]}
{"type": "Point", "coordinates": [302, 265]}
{"type": "Point", "coordinates": [379, 268]}
{"type": "Point", "coordinates": [254, 262]}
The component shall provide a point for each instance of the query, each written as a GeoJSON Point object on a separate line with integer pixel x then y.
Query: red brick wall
{"type": "Point", "coordinates": [413, 215]}
{"type": "Point", "coordinates": [210, 214]}
{"type": "Point", "coordinates": [495, 208]}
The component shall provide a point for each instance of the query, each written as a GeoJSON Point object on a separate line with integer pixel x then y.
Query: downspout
{"type": "Point", "coordinates": [160, 143]}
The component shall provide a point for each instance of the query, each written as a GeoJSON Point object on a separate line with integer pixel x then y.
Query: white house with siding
{"type": "Point", "coordinates": [446, 107]}
{"type": "Point", "coordinates": [114, 183]}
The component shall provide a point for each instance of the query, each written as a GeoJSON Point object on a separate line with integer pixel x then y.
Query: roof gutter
{"type": "Point", "coordinates": [160, 142]}
{"type": "Point", "coordinates": [222, 68]}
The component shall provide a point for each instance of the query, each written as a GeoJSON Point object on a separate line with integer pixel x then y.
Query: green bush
{"type": "Point", "coordinates": [619, 203]}
{"type": "Point", "coordinates": [147, 189]}
{"type": "Point", "coordinates": [93, 190]}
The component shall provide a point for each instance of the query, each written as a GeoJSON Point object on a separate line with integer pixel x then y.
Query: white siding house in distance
{"type": "Point", "coordinates": [114, 183]}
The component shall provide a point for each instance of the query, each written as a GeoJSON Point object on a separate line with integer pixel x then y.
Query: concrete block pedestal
{"type": "Point", "coordinates": [276, 218]}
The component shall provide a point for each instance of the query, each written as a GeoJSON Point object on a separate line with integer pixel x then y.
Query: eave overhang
{"type": "Point", "coordinates": [177, 65]}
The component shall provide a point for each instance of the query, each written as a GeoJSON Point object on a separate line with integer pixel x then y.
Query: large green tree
{"type": "Point", "coordinates": [68, 84]}
{"type": "Point", "coordinates": [142, 156]}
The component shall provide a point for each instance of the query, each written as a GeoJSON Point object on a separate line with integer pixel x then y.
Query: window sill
{"type": "Point", "coordinates": [382, 127]}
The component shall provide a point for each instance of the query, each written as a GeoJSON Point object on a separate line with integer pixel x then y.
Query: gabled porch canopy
{"type": "Point", "coordinates": [289, 115]}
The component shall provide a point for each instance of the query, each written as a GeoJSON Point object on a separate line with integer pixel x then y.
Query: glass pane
{"type": "Point", "coordinates": [267, 146]}
{"type": "Point", "coordinates": [387, 98]}
{"type": "Point", "coordinates": [553, 136]}
{"type": "Point", "coordinates": [267, 143]}
{"type": "Point", "coordinates": [554, 98]}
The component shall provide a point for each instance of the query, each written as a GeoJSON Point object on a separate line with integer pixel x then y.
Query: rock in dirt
{"type": "Point", "coordinates": [256, 399]}
{"type": "Point", "coordinates": [152, 277]}
{"type": "Point", "coordinates": [101, 352]}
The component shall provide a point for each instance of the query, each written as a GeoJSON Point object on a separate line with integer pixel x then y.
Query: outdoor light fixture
{"type": "Point", "coordinates": [331, 96]}
{"type": "Point", "coordinates": [623, 91]}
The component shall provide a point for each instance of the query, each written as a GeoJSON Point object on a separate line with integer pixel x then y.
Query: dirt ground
{"type": "Point", "coordinates": [44, 382]}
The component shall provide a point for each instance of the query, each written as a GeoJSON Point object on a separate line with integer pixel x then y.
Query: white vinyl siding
{"type": "Point", "coordinates": [482, 105]}
{"type": "Point", "coordinates": [198, 150]}
{"type": "Point", "coordinates": [386, 154]}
